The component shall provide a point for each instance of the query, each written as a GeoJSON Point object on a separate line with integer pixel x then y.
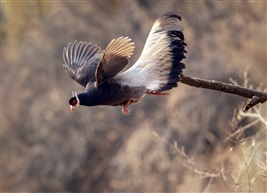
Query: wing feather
{"type": "Point", "coordinates": [79, 51]}
{"type": "Point", "coordinates": [114, 59]}
{"type": "Point", "coordinates": [80, 61]}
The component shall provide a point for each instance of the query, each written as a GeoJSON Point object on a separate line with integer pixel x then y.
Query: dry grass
{"type": "Point", "coordinates": [204, 142]}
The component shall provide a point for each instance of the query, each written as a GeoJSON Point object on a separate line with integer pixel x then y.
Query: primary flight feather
{"type": "Point", "coordinates": [101, 71]}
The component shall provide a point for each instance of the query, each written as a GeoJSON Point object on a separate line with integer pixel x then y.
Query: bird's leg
{"type": "Point", "coordinates": [156, 93]}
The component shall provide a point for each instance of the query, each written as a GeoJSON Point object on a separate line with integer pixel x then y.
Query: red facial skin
{"type": "Point", "coordinates": [73, 102]}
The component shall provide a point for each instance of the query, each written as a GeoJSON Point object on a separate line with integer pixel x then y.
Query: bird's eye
{"type": "Point", "coordinates": [73, 101]}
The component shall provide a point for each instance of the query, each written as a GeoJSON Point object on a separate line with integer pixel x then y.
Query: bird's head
{"type": "Point", "coordinates": [74, 102]}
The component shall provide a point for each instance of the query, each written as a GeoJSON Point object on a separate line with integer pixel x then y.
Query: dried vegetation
{"type": "Point", "coordinates": [192, 140]}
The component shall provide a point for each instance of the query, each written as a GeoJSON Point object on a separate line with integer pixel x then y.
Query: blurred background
{"type": "Point", "coordinates": [192, 140]}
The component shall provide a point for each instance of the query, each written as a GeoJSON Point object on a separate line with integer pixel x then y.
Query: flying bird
{"type": "Point", "coordinates": [101, 71]}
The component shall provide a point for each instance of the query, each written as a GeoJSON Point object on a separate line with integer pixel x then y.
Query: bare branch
{"type": "Point", "coordinates": [254, 95]}
{"type": "Point", "coordinates": [242, 129]}
{"type": "Point", "coordinates": [187, 161]}
{"type": "Point", "coordinates": [255, 115]}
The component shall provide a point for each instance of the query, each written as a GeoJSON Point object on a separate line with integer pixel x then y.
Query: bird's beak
{"type": "Point", "coordinates": [72, 108]}
{"type": "Point", "coordinates": [74, 94]}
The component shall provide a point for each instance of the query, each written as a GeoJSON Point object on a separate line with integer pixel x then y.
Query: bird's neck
{"type": "Point", "coordinates": [89, 99]}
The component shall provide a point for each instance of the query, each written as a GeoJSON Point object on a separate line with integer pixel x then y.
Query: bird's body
{"type": "Point", "coordinates": [100, 71]}
{"type": "Point", "coordinates": [110, 93]}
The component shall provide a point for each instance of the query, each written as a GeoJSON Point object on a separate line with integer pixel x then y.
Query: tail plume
{"type": "Point", "coordinates": [160, 63]}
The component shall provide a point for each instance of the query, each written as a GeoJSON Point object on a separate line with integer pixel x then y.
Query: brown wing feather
{"type": "Point", "coordinates": [114, 59]}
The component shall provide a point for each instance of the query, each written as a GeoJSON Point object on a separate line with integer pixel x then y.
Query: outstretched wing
{"type": "Point", "coordinates": [114, 59]}
{"type": "Point", "coordinates": [80, 61]}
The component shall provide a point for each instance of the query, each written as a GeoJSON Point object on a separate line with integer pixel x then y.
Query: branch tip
{"type": "Point", "coordinates": [252, 102]}
{"type": "Point", "coordinates": [255, 96]}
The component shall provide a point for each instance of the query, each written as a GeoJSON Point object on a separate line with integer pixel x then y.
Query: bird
{"type": "Point", "coordinates": [101, 72]}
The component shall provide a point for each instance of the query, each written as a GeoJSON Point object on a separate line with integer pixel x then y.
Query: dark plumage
{"type": "Point", "coordinates": [100, 71]}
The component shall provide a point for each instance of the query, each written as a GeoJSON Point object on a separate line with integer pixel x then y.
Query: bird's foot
{"type": "Point", "coordinates": [125, 106]}
{"type": "Point", "coordinates": [125, 109]}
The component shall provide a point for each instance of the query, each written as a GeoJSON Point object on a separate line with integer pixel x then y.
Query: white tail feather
{"type": "Point", "coordinates": [159, 65]}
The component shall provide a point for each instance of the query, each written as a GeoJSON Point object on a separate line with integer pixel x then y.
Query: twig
{"type": "Point", "coordinates": [255, 115]}
{"type": "Point", "coordinates": [254, 95]}
{"type": "Point", "coordinates": [242, 129]}
{"type": "Point", "coordinates": [186, 160]}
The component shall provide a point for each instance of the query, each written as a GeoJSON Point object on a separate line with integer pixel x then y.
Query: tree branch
{"type": "Point", "coordinates": [254, 96]}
